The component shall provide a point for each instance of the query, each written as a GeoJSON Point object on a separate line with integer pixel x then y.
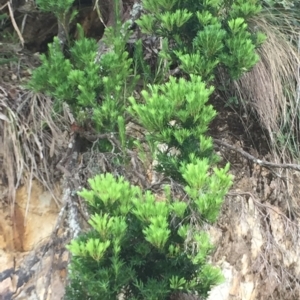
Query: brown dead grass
{"type": "Point", "coordinates": [32, 140]}
{"type": "Point", "coordinates": [270, 88]}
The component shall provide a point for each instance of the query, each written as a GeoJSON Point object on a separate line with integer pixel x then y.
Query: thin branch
{"type": "Point", "coordinates": [11, 14]}
{"type": "Point", "coordinates": [260, 162]}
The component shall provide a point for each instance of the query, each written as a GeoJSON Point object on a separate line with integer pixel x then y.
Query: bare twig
{"type": "Point", "coordinates": [11, 14]}
{"type": "Point", "coordinates": [260, 162]}
{"type": "Point", "coordinates": [96, 7]}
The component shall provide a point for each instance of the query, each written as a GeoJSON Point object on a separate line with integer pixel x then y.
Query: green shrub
{"type": "Point", "coordinates": [95, 92]}
{"type": "Point", "coordinates": [202, 35]}
{"type": "Point", "coordinates": [138, 246]}
{"type": "Point", "coordinates": [176, 114]}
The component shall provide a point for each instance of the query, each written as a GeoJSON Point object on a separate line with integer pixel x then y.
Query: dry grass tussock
{"type": "Point", "coordinates": [270, 89]}
{"type": "Point", "coordinates": [31, 138]}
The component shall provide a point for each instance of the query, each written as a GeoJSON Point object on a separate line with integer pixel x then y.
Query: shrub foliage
{"type": "Point", "coordinates": [139, 247]}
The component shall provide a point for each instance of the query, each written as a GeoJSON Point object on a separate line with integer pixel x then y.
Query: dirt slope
{"type": "Point", "coordinates": [256, 237]}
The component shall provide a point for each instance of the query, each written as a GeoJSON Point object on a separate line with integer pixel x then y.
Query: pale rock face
{"type": "Point", "coordinates": [223, 291]}
{"type": "Point", "coordinates": [255, 244]}
{"type": "Point", "coordinates": [27, 255]}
